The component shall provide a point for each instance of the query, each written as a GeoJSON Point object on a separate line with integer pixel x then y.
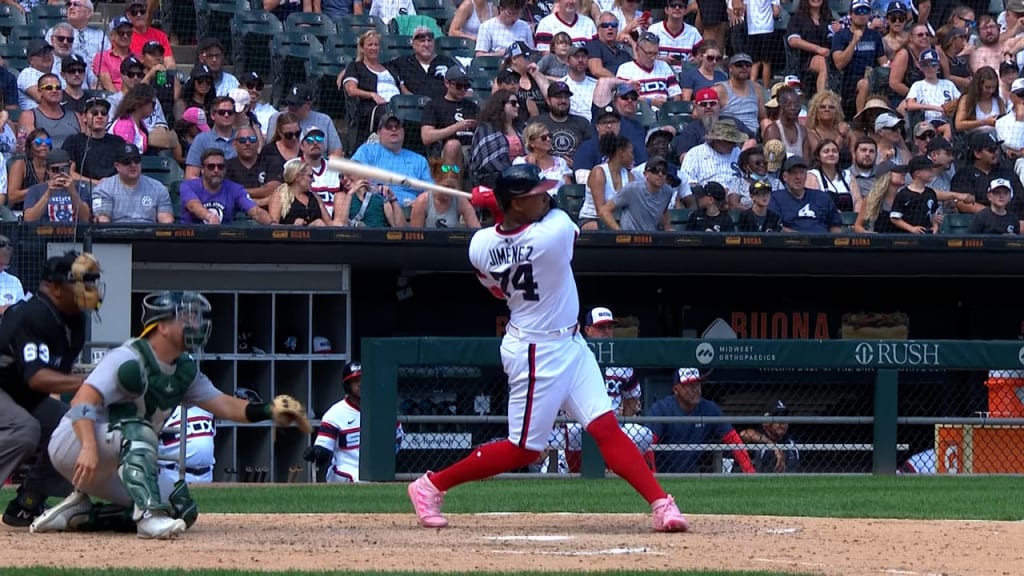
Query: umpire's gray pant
{"type": "Point", "coordinates": [24, 434]}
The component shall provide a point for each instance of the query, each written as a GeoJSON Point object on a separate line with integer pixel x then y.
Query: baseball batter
{"type": "Point", "coordinates": [527, 261]}
{"type": "Point", "coordinates": [200, 433]}
{"type": "Point", "coordinates": [337, 440]}
{"type": "Point", "coordinates": [106, 444]}
{"type": "Point", "coordinates": [40, 339]}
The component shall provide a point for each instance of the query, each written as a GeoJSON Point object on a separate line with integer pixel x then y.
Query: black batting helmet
{"type": "Point", "coordinates": [520, 180]}
{"type": "Point", "coordinates": [352, 371]}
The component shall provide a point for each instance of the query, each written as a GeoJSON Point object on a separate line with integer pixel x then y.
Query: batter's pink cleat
{"type": "Point", "coordinates": [427, 501]}
{"type": "Point", "coordinates": [665, 516]}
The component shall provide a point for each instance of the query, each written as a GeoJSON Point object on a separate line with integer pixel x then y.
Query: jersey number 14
{"type": "Point", "coordinates": [521, 278]}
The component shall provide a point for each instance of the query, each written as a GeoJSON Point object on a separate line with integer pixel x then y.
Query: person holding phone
{"type": "Point", "coordinates": [676, 37]}
{"type": "Point", "coordinates": [58, 198]}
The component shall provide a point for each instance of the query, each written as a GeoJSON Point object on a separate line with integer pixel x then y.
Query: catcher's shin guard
{"type": "Point", "coordinates": [182, 504]}
{"type": "Point", "coordinates": [104, 517]}
{"type": "Point", "coordinates": [138, 469]}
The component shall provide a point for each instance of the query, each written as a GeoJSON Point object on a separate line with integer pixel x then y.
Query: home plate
{"type": "Point", "coordinates": [531, 538]}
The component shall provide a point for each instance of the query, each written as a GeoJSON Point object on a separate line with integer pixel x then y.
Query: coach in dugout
{"type": "Point", "coordinates": [686, 400]}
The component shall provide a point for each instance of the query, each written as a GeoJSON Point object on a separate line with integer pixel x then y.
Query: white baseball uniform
{"type": "Point", "coordinates": [339, 433]}
{"type": "Point", "coordinates": [199, 459]}
{"type": "Point", "coordinates": [620, 383]}
{"type": "Point", "coordinates": [548, 363]}
{"type": "Point", "coordinates": [64, 446]}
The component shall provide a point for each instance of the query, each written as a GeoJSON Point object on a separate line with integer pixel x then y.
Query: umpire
{"type": "Point", "coordinates": [40, 340]}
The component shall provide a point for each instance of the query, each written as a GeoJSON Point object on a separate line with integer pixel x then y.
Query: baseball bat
{"type": "Point", "coordinates": [355, 169]}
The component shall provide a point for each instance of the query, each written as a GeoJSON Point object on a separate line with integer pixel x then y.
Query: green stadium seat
{"type": "Point", "coordinates": [678, 217]}
{"type": "Point", "coordinates": [345, 42]}
{"type": "Point", "coordinates": [174, 190]}
{"type": "Point", "coordinates": [455, 47]}
{"type": "Point", "coordinates": [409, 107]}
{"type": "Point", "coordinates": [46, 16]}
{"type": "Point", "coordinates": [395, 46]}
{"type": "Point", "coordinates": [213, 18]}
{"type": "Point", "coordinates": [570, 199]}
{"type": "Point", "coordinates": [290, 51]}
{"type": "Point", "coordinates": [163, 169]}
{"type": "Point", "coordinates": [440, 10]}
{"type": "Point", "coordinates": [315, 24]}
{"type": "Point", "coordinates": [956, 223]}
{"type": "Point", "coordinates": [323, 74]}
{"type": "Point", "coordinates": [360, 23]}
{"type": "Point", "coordinates": [488, 65]}
{"type": "Point", "coordinates": [250, 43]}
{"type": "Point", "coordinates": [676, 112]}
{"type": "Point", "coordinates": [9, 18]}
{"type": "Point", "coordinates": [23, 34]}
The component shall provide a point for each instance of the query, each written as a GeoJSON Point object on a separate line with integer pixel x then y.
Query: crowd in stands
{"type": "Point", "coordinates": [707, 115]}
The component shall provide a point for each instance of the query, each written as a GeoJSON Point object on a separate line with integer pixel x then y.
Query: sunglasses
{"type": "Point", "coordinates": [247, 139]}
{"type": "Point", "coordinates": [609, 25]}
{"type": "Point", "coordinates": [709, 104]}
{"type": "Point", "coordinates": [992, 149]}
{"type": "Point", "coordinates": [922, 35]}
{"type": "Point", "coordinates": [59, 169]}
{"type": "Point", "coordinates": [314, 138]}
{"type": "Point", "coordinates": [222, 112]}
{"type": "Point", "coordinates": [134, 75]}
{"type": "Point", "coordinates": [131, 161]}
{"type": "Point", "coordinates": [423, 37]}
{"type": "Point", "coordinates": [137, 11]}
{"type": "Point", "coordinates": [712, 58]}
{"type": "Point", "coordinates": [4, 244]}
{"type": "Point", "coordinates": [291, 135]}
{"type": "Point", "coordinates": [513, 102]}
{"type": "Point", "coordinates": [453, 168]}
{"type": "Point", "coordinates": [214, 166]}
{"type": "Point", "coordinates": [862, 11]}
{"type": "Point", "coordinates": [204, 80]}
{"type": "Point", "coordinates": [123, 33]}
{"type": "Point", "coordinates": [677, 5]}
{"type": "Point", "coordinates": [74, 71]}
{"type": "Point", "coordinates": [98, 112]}
{"type": "Point", "coordinates": [73, 5]}
{"type": "Point", "coordinates": [41, 141]}
{"type": "Point", "coordinates": [50, 87]}
{"type": "Point", "coordinates": [64, 39]}
{"type": "Point", "coordinates": [544, 137]}
{"type": "Point", "coordinates": [254, 86]}
{"type": "Point", "coordinates": [897, 18]}
{"type": "Point", "coordinates": [657, 171]}
{"type": "Point", "coordinates": [650, 37]}
{"type": "Point", "coordinates": [631, 97]}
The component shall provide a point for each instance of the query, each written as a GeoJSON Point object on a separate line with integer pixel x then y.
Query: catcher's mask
{"type": "Point", "coordinates": [81, 272]}
{"type": "Point", "coordinates": [192, 309]}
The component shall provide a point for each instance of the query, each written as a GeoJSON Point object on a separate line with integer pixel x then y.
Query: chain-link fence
{"type": "Point", "coordinates": [721, 419]}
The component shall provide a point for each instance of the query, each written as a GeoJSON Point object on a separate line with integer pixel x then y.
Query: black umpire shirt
{"type": "Point", "coordinates": [35, 335]}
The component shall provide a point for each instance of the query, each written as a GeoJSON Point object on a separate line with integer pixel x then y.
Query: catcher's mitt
{"type": "Point", "coordinates": [285, 410]}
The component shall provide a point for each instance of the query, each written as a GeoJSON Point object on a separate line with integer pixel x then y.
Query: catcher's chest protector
{"type": "Point", "coordinates": [156, 392]}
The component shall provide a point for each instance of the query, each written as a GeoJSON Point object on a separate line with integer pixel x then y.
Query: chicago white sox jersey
{"type": "Point", "coordinates": [660, 80]}
{"type": "Point", "coordinates": [199, 434]}
{"type": "Point", "coordinates": [339, 433]}
{"type": "Point", "coordinates": [326, 183]}
{"type": "Point", "coordinates": [676, 44]}
{"type": "Point", "coordinates": [622, 383]}
{"type": "Point", "coordinates": [531, 269]}
{"type": "Point", "coordinates": [581, 30]}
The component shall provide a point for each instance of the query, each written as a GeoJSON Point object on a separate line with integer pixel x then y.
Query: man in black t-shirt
{"type": "Point", "coordinates": [974, 179]}
{"type": "Point", "coordinates": [567, 130]}
{"type": "Point", "coordinates": [40, 340]}
{"type": "Point", "coordinates": [449, 121]}
{"type": "Point", "coordinates": [423, 72]}
{"type": "Point", "coordinates": [709, 217]}
{"type": "Point", "coordinates": [995, 219]}
{"type": "Point", "coordinates": [258, 174]}
{"type": "Point", "coordinates": [93, 151]}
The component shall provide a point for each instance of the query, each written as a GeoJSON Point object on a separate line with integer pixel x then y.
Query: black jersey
{"type": "Point", "coordinates": [35, 335]}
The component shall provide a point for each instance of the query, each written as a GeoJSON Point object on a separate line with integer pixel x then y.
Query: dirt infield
{"type": "Point", "coordinates": [550, 542]}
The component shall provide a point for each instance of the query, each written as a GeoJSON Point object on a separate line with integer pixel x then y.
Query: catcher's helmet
{"type": "Point", "coordinates": [352, 371]}
{"type": "Point", "coordinates": [192, 307]}
{"type": "Point", "coordinates": [520, 180]}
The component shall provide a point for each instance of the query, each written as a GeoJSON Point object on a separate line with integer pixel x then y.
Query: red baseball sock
{"type": "Point", "coordinates": [484, 462]}
{"type": "Point", "coordinates": [623, 457]}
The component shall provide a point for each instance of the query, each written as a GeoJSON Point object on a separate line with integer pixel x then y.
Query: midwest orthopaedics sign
{"type": "Point", "coordinates": [897, 353]}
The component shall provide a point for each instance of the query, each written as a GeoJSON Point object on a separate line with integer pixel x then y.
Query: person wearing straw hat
{"type": "Point", "coordinates": [715, 160]}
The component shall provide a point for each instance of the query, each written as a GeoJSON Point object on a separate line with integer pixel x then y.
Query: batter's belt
{"type": "Point", "coordinates": [538, 336]}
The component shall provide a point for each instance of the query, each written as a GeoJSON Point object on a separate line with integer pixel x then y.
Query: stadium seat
{"type": "Point", "coordinates": [676, 112]}
{"type": "Point", "coordinates": [163, 169]}
{"type": "Point", "coordinates": [10, 17]}
{"type": "Point", "coordinates": [409, 107]}
{"type": "Point", "coordinates": [395, 46]}
{"type": "Point", "coordinates": [289, 52]}
{"type": "Point", "coordinates": [250, 43]}
{"type": "Point", "coordinates": [455, 47]}
{"type": "Point", "coordinates": [956, 223]}
{"type": "Point", "coordinates": [360, 23]}
{"type": "Point", "coordinates": [14, 51]}
{"type": "Point", "coordinates": [678, 217]}
{"type": "Point", "coordinates": [323, 73]}
{"type": "Point", "coordinates": [345, 42]}
{"type": "Point", "coordinates": [174, 190]}
{"type": "Point", "coordinates": [23, 34]}
{"type": "Point", "coordinates": [213, 18]}
{"type": "Point", "coordinates": [488, 65]}
{"type": "Point", "coordinates": [441, 10]}
{"type": "Point", "coordinates": [46, 16]}
{"type": "Point", "coordinates": [570, 199]}
{"type": "Point", "coordinates": [849, 217]}
{"type": "Point", "coordinates": [315, 24]}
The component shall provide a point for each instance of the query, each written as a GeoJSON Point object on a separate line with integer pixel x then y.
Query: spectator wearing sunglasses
{"type": "Point", "coordinates": [28, 170]}
{"type": "Point", "coordinates": [63, 40]}
{"type": "Point", "coordinates": [88, 41]}
{"type": "Point", "coordinates": [261, 109]}
{"type": "Point", "coordinates": [422, 72]}
{"type": "Point", "coordinates": [449, 121]}
{"type": "Point", "coordinates": [129, 197]}
{"type": "Point", "coordinates": [222, 136]}
{"type": "Point", "coordinates": [431, 210]}
{"type": "Point", "coordinates": [211, 53]}
{"type": "Point", "coordinates": [388, 153]}
{"type": "Point", "coordinates": [93, 151]}
{"type": "Point", "coordinates": [253, 171]}
{"type": "Point", "coordinates": [130, 115]}
{"type": "Point", "coordinates": [605, 52]}
{"type": "Point", "coordinates": [565, 18]}
{"type": "Point", "coordinates": [213, 199]}
{"type": "Point", "coordinates": [643, 203]}
{"type": "Point", "coordinates": [106, 65]}
{"type": "Point", "coordinates": [284, 141]}
{"type": "Point", "coordinates": [142, 32]}
{"type": "Point", "coordinates": [299, 102]}
{"type": "Point", "coordinates": [325, 184]}
{"type": "Point", "coordinates": [40, 62]}
{"type": "Point", "coordinates": [49, 114]}
{"type": "Point", "coordinates": [986, 148]}
{"type": "Point", "coordinates": [58, 199]}
{"type": "Point", "coordinates": [676, 37]}
{"type": "Point", "coordinates": [73, 72]}
{"type": "Point", "coordinates": [166, 84]}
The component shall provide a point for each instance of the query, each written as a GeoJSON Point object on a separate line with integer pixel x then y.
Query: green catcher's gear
{"type": "Point", "coordinates": [154, 390]}
{"type": "Point", "coordinates": [182, 504]}
{"type": "Point", "coordinates": [191, 308]}
{"type": "Point", "coordinates": [104, 517]}
{"type": "Point", "coordinates": [138, 469]}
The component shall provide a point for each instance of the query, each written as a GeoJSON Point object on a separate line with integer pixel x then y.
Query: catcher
{"type": "Point", "coordinates": [106, 445]}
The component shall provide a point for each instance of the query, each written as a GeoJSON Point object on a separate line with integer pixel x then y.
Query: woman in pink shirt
{"type": "Point", "coordinates": [134, 108]}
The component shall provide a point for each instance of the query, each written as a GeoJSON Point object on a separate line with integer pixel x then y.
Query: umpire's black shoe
{"type": "Point", "coordinates": [23, 510]}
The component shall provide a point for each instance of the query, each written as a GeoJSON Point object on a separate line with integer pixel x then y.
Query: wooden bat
{"type": "Point", "coordinates": [357, 170]}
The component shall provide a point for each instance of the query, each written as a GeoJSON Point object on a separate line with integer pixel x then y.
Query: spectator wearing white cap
{"type": "Point", "coordinates": [891, 145]}
{"type": "Point", "coordinates": [686, 400]}
{"type": "Point", "coordinates": [995, 219]}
